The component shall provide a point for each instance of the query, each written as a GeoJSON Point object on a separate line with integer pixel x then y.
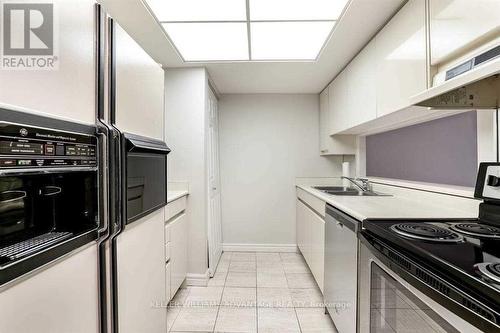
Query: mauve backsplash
{"type": "Point", "coordinates": [441, 151]}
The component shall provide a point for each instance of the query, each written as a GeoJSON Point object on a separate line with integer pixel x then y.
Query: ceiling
{"type": "Point", "coordinates": [247, 30]}
{"type": "Point", "coordinates": [361, 20]}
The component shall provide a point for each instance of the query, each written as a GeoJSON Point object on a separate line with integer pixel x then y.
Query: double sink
{"type": "Point", "coordinates": [348, 191]}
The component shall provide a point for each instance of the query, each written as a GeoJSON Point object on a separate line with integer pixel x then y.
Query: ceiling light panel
{"type": "Point", "coordinates": [288, 40]}
{"type": "Point", "coordinates": [209, 41]}
{"type": "Point", "coordinates": [296, 9]}
{"type": "Point", "coordinates": [198, 10]}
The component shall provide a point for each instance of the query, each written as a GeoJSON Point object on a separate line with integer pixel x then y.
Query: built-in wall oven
{"type": "Point", "coordinates": [48, 192]}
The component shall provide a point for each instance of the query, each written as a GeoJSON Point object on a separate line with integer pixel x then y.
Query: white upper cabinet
{"type": "Point", "coordinates": [324, 121]}
{"type": "Point", "coordinates": [361, 88]}
{"type": "Point", "coordinates": [332, 145]}
{"type": "Point", "coordinates": [353, 92]}
{"type": "Point", "coordinates": [338, 103]}
{"type": "Point", "coordinates": [458, 25]}
{"type": "Point", "coordinates": [399, 61]}
{"type": "Point", "coordinates": [401, 58]}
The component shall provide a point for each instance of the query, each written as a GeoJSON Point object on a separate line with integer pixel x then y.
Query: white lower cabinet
{"type": "Point", "coordinates": [178, 255]}
{"type": "Point", "coordinates": [303, 230]}
{"type": "Point", "coordinates": [168, 274]}
{"type": "Point", "coordinates": [176, 247]}
{"type": "Point", "coordinates": [317, 256]}
{"type": "Point", "coordinates": [311, 240]}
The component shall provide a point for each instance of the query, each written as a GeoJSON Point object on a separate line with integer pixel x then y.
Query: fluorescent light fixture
{"type": "Point", "coordinates": [209, 41]}
{"type": "Point", "coordinates": [296, 9]}
{"type": "Point", "coordinates": [218, 30]}
{"type": "Point", "coordinates": [198, 10]}
{"type": "Point", "coordinates": [288, 40]}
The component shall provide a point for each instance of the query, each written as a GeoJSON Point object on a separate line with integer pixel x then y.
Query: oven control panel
{"type": "Point", "coordinates": [488, 181]}
{"type": "Point", "coordinates": [32, 147]}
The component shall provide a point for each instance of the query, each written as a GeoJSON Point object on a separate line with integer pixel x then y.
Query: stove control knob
{"type": "Point", "coordinates": [493, 181]}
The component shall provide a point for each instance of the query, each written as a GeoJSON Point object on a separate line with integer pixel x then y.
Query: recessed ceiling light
{"type": "Point", "coordinates": [288, 40]}
{"type": "Point", "coordinates": [296, 9]}
{"type": "Point", "coordinates": [209, 41]}
{"type": "Point", "coordinates": [198, 10]}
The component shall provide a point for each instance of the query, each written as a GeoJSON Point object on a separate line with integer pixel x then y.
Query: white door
{"type": "Point", "coordinates": [141, 277]}
{"type": "Point", "coordinates": [60, 297]}
{"type": "Point", "coordinates": [67, 91]}
{"type": "Point", "coordinates": [214, 206]}
{"type": "Point", "coordinates": [139, 88]}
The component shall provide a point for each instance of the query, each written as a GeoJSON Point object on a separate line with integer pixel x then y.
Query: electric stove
{"type": "Point", "coordinates": [464, 253]}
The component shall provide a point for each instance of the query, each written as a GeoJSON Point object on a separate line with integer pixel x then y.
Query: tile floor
{"type": "Point", "coordinates": [253, 292]}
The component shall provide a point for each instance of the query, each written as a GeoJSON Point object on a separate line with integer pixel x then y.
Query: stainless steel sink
{"type": "Point", "coordinates": [349, 191]}
{"type": "Point", "coordinates": [332, 188]}
{"type": "Point", "coordinates": [357, 193]}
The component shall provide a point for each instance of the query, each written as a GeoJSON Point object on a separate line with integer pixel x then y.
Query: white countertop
{"type": "Point", "coordinates": [404, 203]}
{"type": "Point", "coordinates": [174, 195]}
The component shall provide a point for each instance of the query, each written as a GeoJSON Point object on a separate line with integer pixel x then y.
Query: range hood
{"type": "Point", "coordinates": [477, 87]}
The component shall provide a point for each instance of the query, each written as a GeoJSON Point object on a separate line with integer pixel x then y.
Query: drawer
{"type": "Point", "coordinates": [167, 282]}
{"type": "Point", "coordinates": [175, 207]}
{"type": "Point", "coordinates": [168, 227]}
{"type": "Point", "coordinates": [316, 204]}
{"type": "Point", "coordinates": [167, 252]}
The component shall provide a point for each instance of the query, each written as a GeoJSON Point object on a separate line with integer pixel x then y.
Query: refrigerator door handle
{"type": "Point", "coordinates": [104, 185]}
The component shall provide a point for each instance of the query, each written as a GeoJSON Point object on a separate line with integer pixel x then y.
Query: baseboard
{"type": "Point", "coordinates": [198, 280]}
{"type": "Point", "coordinates": [232, 247]}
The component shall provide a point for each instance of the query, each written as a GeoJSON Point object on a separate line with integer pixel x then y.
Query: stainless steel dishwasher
{"type": "Point", "coordinates": [341, 267]}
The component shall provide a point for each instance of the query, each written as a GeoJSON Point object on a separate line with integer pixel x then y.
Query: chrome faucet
{"type": "Point", "coordinates": [365, 185]}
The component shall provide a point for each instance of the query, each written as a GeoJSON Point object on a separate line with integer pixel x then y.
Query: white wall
{"type": "Point", "coordinates": [266, 141]}
{"type": "Point", "coordinates": [185, 94]}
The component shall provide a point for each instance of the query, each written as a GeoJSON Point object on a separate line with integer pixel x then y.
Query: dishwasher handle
{"type": "Point", "coordinates": [341, 219]}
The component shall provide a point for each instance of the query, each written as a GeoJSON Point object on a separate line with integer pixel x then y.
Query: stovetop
{"type": "Point", "coordinates": [463, 251]}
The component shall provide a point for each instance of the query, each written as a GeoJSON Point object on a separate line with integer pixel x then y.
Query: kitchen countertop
{"type": "Point", "coordinates": [404, 203]}
{"type": "Point", "coordinates": [174, 195]}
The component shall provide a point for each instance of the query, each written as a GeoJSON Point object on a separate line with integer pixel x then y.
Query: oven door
{"type": "Point", "coordinates": [389, 304]}
{"type": "Point", "coordinates": [146, 176]}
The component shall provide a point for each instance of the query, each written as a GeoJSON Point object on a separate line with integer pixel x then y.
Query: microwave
{"type": "Point", "coordinates": [145, 175]}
